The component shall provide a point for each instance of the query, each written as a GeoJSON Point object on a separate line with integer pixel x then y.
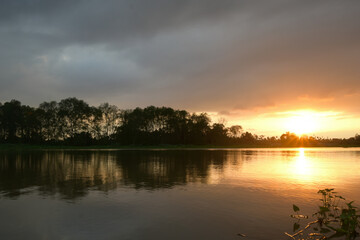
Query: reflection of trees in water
{"type": "Point", "coordinates": [73, 173]}
{"type": "Point", "coordinates": [68, 173]}
{"type": "Point", "coordinates": [165, 169]}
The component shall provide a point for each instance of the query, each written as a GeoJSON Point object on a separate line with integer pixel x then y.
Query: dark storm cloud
{"type": "Point", "coordinates": [201, 55]}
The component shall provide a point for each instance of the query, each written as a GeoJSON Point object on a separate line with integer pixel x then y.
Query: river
{"type": "Point", "coordinates": [167, 194]}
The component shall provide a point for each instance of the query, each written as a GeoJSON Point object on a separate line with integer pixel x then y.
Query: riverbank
{"type": "Point", "coordinates": [111, 147]}
{"type": "Point", "coordinates": [142, 147]}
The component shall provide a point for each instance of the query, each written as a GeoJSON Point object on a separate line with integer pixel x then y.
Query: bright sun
{"type": "Point", "coordinates": [302, 122]}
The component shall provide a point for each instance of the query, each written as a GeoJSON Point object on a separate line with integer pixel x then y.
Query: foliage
{"type": "Point", "coordinates": [335, 218]}
{"type": "Point", "coordinates": [72, 121]}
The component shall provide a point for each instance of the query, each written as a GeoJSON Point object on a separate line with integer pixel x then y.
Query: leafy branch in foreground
{"type": "Point", "coordinates": [335, 218]}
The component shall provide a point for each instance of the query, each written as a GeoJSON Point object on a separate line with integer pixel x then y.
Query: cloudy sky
{"type": "Point", "coordinates": [254, 63]}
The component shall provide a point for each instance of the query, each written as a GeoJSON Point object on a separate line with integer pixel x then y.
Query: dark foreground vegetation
{"type": "Point", "coordinates": [335, 219]}
{"type": "Point", "coordinates": [73, 122]}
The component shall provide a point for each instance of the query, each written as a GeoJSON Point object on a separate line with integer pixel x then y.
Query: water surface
{"type": "Point", "coordinates": [167, 194]}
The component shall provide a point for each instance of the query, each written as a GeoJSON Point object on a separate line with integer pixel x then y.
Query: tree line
{"type": "Point", "coordinates": [74, 122]}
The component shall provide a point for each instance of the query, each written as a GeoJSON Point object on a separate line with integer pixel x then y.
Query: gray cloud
{"type": "Point", "coordinates": [200, 55]}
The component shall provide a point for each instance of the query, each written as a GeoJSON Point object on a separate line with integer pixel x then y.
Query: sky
{"type": "Point", "coordinates": [265, 65]}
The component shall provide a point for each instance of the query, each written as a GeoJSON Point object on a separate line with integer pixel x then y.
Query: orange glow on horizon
{"type": "Point", "coordinates": [302, 122]}
{"type": "Point", "coordinates": [309, 122]}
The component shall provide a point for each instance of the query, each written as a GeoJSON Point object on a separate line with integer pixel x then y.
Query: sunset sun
{"type": "Point", "coordinates": [302, 122]}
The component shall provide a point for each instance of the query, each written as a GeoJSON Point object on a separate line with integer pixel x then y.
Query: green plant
{"type": "Point", "coordinates": [335, 218]}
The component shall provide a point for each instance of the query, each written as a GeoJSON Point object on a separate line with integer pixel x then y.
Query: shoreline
{"type": "Point", "coordinates": [6, 147]}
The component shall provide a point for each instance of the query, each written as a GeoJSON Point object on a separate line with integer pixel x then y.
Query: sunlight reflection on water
{"type": "Point", "coordinates": [199, 194]}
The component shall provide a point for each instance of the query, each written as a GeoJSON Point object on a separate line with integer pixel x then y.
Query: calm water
{"type": "Point", "coordinates": [172, 194]}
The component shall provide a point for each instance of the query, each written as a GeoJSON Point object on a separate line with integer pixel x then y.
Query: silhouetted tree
{"type": "Point", "coordinates": [12, 120]}
{"type": "Point", "coordinates": [2, 130]}
{"type": "Point", "coordinates": [31, 125]}
{"type": "Point", "coordinates": [217, 134]}
{"type": "Point", "coordinates": [73, 121]}
{"type": "Point", "coordinates": [289, 139]}
{"type": "Point", "coordinates": [199, 127]}
{"type": "Point", "coordinates": [111, 120]}
{"type": "Point", "coordinates": [50, 121]}
{"type": "Point", "coordinates": [235, 131]}
{"type": "Point", "coordinates": [248, 138]}
{"type": "Point", "coordinates": [74, 117]}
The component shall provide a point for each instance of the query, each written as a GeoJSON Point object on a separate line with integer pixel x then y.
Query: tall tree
{"type": "Point", "coordinates": [235, 131]}
{"type": "Point", "coordinates": [12, 120]}
{"type": "Point", "coordinates": [110, 116]}
{"type": "Point", "coordinates": [2, 130]}
{"type": "Point", "coordinates": [74, 116]}
{"type": "Point", "coordinates": [31, 124]}
{"type": "Point", "coordinates": [49, 118]}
